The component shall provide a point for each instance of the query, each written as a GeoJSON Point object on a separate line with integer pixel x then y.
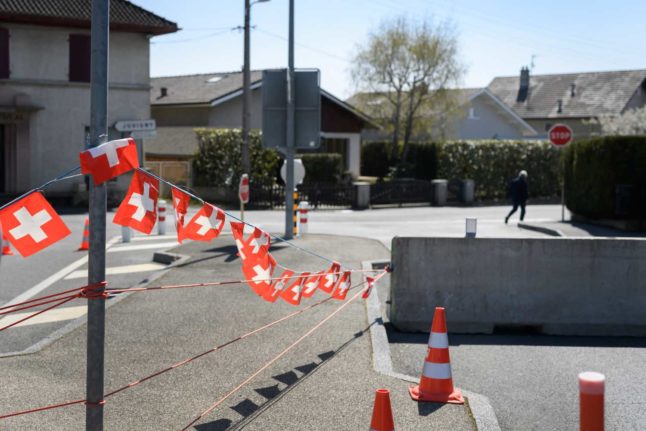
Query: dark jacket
{"type": "Point", "coordinates": [518, 189]}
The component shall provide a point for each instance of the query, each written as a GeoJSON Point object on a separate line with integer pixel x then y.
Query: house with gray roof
{"type": "Point", "coordinates": [570, 98]}
{"type": "Point", "coordinates": [45, 86]}
{"type": "Point", "coordinates": [179, 104]}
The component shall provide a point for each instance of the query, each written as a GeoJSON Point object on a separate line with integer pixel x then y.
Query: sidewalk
{"type": "Point", "coordinates": [326, 383]}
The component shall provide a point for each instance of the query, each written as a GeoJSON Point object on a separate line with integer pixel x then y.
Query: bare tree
{"type": "Point", "coordinates": [401, 73]}
{"type": "Point", "coordinates": [630, 122]}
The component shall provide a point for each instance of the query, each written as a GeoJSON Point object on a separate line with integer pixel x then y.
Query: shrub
{"type": "Point", "coordinates": [420, 162]}
{"type": "Point", "coordinates": [593, 169]}
{"type": "Point", "coordinates": [375, 159]}
{"type": "Point", "coordinates": [322, 167]}
{"type": "Point", "coordinates": [218, 160]}
{"type": "Point", "coordinates": [492, 164]}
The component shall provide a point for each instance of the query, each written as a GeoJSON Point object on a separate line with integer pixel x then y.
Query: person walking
{"type": "Point", "coordinates": [519, 194]}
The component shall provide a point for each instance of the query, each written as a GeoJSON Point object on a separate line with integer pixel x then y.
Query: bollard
{"type": "Point", "coordinates": [125, 234]}
{"type": "Point", "coordinates": [295, 213]}
{"type": "Point", "coordinates": [161, 217]}
{"type": "Point", "coordinates": [303, 209]}
{"type": "Point", "coordinates": [471, 227]}
{"type": "Point", "coordinates": [591, 393]}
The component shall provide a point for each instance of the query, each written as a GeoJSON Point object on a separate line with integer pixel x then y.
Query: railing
{"type": "Point", "coordinates": [401, 192]}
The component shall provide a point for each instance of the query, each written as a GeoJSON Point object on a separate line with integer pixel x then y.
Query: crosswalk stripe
{"type": "Point", "coordinates": [143, 247]}
{"type": "Point", "coordinates": [55, 315]}
{"type": "Point", "coordinates": [153, 237]}
{"type": "Point", "coordinates": [126, 269]}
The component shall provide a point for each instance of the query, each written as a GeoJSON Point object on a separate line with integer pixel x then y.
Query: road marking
{"type": "Point", "coordinates": [153, 237]}
{"type": "Point", "coordinates": [54, 277]}
{"type": "Point", "coordinates": [56, 315]}
{"type": "Point", "coordinates": [143, 247]}
{"type": "Point", "coordinates": [126, 269]}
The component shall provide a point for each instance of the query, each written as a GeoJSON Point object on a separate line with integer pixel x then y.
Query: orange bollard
{"type": "Point", "coordinates": [591, 395]}
{"type": "Point", "coordinates": [85, 243]}
{"type": "Point", "coordinates": [382, 413]}
{"type": "Point", "coordinates": [436, 383]}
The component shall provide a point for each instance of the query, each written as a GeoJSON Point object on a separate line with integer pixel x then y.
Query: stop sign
{"type": "Point", "coordinates": [243, 189]}
{"type": "Point", "coordinates": [560, 135]}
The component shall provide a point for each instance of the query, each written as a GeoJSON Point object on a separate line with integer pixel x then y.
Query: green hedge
{"type": "Point", "coordinates": [375, 159]}
{"type": "Point", "coordinates": [322, 167]}
{"type": "Point", "coordinates": [593, 169]}
{"type": "Point", "coordinates": [218, 160]}
{"type": "Point", "coordinates": [492, 164]}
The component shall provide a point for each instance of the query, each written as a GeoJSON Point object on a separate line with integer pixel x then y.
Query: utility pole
{"type": "Point", "coordinates": [96, 264]}
{"type": "Point", "coordinates": [246, 96]}
{"type": "Point", "coordinates": [291, 109]}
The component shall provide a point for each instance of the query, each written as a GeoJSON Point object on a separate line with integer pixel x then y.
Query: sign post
{"type": "Point", "coordinates": [560, 136]}
{"type": "Point", "coordinates": [243, 194]}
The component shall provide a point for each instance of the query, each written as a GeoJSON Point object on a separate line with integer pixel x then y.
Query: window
{"type": "Point", "coordinates": [548, 126]}
{"type": "Point", "coordinates": [4, 53]}
{"type": "Point", "coordinates": [79, 58]}
{"type": "Point", "coordinates": [472, 114]}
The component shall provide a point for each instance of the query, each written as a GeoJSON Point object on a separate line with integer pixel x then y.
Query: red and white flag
{"type": "Point", "coordinates": [342, 288]}
{"type": "Point", "coordinates": [259, 273]}
{"type": "Point", "coordinates": [294, 292]}
{"type": "Point", "coordinates": [331, 277]}
{"type": "Point", "coordinates": [109, 160]}
{"type": "Point", "coordinates": [255, 246]}
{"type": "Point", "coordinates": [31, 224]}
{"type": "Point", "coordinates": [139, 208]}
{"type": "Point", "coordinates": [371, 283]}
{"type": "Point", "coordinates": [311, 284]}
{"type": "Point", "coordinates": [180, 205]}
{"type": "Point", "coordinates": [271, 295]}
{"type": "Point", "coordinates": [205, 225]}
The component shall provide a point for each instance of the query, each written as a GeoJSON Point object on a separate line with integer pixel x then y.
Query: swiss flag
{"type": "Point", "coordinates": [342, 288]}
{"type": "Point", "coordinates": [205, 225]}
{"type": "Point", "coordinates": [329, 280]}
{"type": "Point", "coordinates": [294, 292]}
{"type": "Point", "coordinates": [180, 205]}
{"type": "Point", "coordinates": [311, 284]}
{"type": "Point", "coordinates": [31, 224]}
{"type": "Point", "coordinates": [258, 274]}
{"type": "Point", "coordinates": [139, 208]}
{"type": "Point", "coordinates": [109, 160]}
{"type": "Point", "coordinates": [371, 283]}
{"type": "Point", "coordinates": [271, 295]}
{"type": "Point", "coordinates": [256, 246]}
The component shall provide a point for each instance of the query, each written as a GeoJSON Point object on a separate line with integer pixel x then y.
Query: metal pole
{"type": "Point", "coordinates": [291, 108]}
{"type": "Point", "coordinates": [562, 186]}
{"type": "Point", "coordinates": [96, 264]}
{"type": "Point", "coordinates": [246, 96]}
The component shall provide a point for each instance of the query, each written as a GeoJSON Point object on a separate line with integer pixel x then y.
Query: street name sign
{"type": "Point", "coordinates": [135, 125]}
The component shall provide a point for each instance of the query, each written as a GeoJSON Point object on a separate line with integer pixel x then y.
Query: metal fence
{"type": "Point", "coordinates": [319, 196]}
{"type": "Point", "coordinates": [401, 192]}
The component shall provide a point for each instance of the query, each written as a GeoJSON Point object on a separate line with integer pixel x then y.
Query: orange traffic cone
{"type": "Point", "coordinates": [6, 247]}
{"type": "Point", "coordinates": [85, 243]}
{"type": "Point", "coordinates": [382, 414]}
{"type": "Point", "coordinates": [436, 383]}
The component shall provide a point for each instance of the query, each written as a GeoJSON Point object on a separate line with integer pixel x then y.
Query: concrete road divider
{"type": "Point", "coordinates": [571, 286]}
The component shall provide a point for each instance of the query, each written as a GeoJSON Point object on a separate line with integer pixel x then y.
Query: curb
{"type": "Point", "coordinates": [479, 405]}
{"type": "Point", "coordinates": [76, 323]}
{"type": "Point", "coordinates": [541, 229]}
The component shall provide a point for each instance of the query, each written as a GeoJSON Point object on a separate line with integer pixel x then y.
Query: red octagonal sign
{"type": "Point", "coordinates": [560, 135]}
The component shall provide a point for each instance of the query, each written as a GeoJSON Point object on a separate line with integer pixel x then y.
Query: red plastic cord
{"type": "Point", "coordinates": [39, 312]}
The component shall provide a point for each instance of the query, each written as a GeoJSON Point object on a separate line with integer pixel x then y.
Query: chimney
{"type": "Point", "coordinates": [523, 89]}
{"type": "Point", "coordinates": [572, 90]}
{"type": "Point", "coordinates": [559, 106]}
{"type": "Point", "coordinates": [164, 92]}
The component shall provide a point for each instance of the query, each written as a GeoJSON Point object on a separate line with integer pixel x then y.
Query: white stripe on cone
{"type": "Point", "coordinates": [439, 340]}
{"type": "Point", "coordinates": [437, 371]}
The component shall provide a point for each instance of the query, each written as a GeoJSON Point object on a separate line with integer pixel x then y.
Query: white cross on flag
{"type": "Point", "coordinates": [31, 224]}
{"type": "Point", "coordinates": [329, 280]}
{"type": "Point", "coordinates": [271, 295]}
{"type": "Point", "coordinates": [259, 273]}
{"type": "Point", "coordinates": [311, 284]}
{"type": "Point", "coordinates": [205, 225]}
{"type": "Point", "coordinates": [294, 292]}
{"type": "Point", "coordinates": [109, 160]}
{"type": "Point", "coordinates": [342, 288]}
{"type": "Point", "coordinates": [255, 246]}
{"type": "Point", "coordinates": [180, 205]}
{"type": "Point", "coordinates": [139, 208]}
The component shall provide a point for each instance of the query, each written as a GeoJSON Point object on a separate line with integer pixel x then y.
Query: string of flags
{"type": "Point", "coordinates": [31, 225]}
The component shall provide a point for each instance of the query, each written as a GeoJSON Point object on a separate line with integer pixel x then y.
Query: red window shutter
{"type": "Point", "coordinates": [4, 53]}
{"type": "Point", "coordinates": [79, 58]}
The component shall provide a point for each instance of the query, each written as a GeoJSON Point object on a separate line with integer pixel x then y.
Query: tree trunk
{"type": "Point", "coordinates": [408, 130]}
{"type": "Point", "coordinates": [394, 156]}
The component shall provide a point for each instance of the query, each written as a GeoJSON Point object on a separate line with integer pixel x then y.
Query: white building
{"type": "Point", "coordinates": [45, 88]}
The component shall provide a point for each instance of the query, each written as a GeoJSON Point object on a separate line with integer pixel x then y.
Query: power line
{"type": "Point", "coordinates": [311, 48]}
